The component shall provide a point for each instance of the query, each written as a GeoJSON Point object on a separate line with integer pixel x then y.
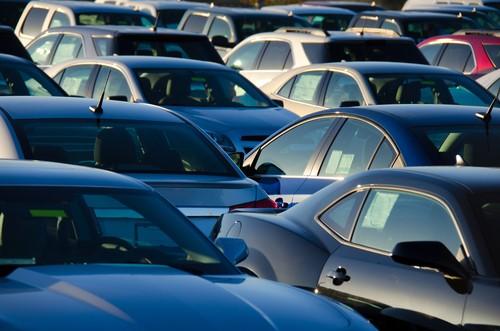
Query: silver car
{"type": "Point", "coordinates": [152, 144]}
{"type": "Point", "coordinates": [228, 107]}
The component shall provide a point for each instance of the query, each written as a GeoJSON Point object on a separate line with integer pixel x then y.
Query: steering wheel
{"type": "Point", "coordinates": [115, 244]}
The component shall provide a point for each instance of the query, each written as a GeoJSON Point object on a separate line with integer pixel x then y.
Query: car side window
{"type": "Point", "coordinates": [195, 23]}
{"type": "Point", "coordinates": [75, 79]}
{"type": "Point", "coordinates": [70, 47]}
{"type": "Point", "coordinates": [390, 24]}
{"type": "Point", "coordinates": [219, 27]}
{"type": "Point", "coordinates": [33, 86]}
{"type": "Point", "coordinates": [103, 45]}
{"type": "Point", "coordinates": [342, 88]}
{"type": "Point", "coordinates": [34, 21]}
{"type": "Point", "coordinates": [306, 87]}
{"type": "Point", "coordinates": [352, 150]}
{"type": "Point", "coordinates": [117, 85]}
{"type": "Point", "coordinates": [384, 157]}
{"type": "Point", "coordinates": [341, 216]}
{"type": "Point", "coordinates": [287, 88]}
{"type": "Point", "coordinates": [430, 52]}
{"type": "Point", "coordinates": [245, 57]}
{"type": "Point", "coordinates": [275, 56]}
{"type": "Point", "coordinates": [290, 153]}
{"type": "Point", "coordinates": [390, 216]}
{"type": "Point", "coordinates": [59, 19]}
{"type": "Point", "coordinates": [455, 56]}
{"type": "Point", "coordinates": [41, 49]}
{"type": "Point", "coordinates": [367, 21]}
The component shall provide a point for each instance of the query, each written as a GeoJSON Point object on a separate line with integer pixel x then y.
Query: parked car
{"type": "Point", "coordinates": [41, 15]}
{"type": "Point", "coordinates": [149, 143]}
{"type": "Point", "coordinates": [11, 11]}
{"type": "Point", "coordinates": [410, 4]}
{"type": "Point", "coordinates": [84, 249]}
{"type": "Point", "coordinates": [223, 103]}
{"type": "Point", "coordinates": [21, 77]}
{"type": "Point", "coordinates": [356, 6]}
{"type": "Point", "coordinates": [262, 57]}
{"type": "Point", "coordinates": [11, 45]}
{"type": "Point", "coordinates": [492, 3]}
{"type": "Point", "coordinates": [321, 86]}
{"type": "Point", "coordinates": [416, 25]}
{"type": "Point", "coordinates": [324, 147]}
{"type": "Point", "coordinates": [167, 13]}
{"type": "Point", "coordinates": [62, 44]}
{"type": "Point", "coordinates": [227, 27]}
{"type": "Point", "coordinates": [415, 246]}
{"type": "Point", "coordinates": [473, 53]}
{"type": "Point", "coordinates": [490, 81]}
{"type": "Point", "coordinates": [321, 17]}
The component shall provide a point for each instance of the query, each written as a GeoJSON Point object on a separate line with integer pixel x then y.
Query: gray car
{"type": "Point", "coordinates": [147, 142]}
{"type": "Point", "coordinates": [218, 99]}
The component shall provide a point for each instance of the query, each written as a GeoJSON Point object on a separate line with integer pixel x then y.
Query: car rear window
{"type": "Point", "coordinates": [137, 19]}
{"type": "Point", "coordinates": [251, 24]}
{"type": "Point", "coordinates": [34, 21]}
{"type": "Point", "coordinates": [367, 50]}
{"type": "Point", "coordinates": [187, 47]}
{"type": "Point", "coordinates": [123, 146]}
{"type": "Point", "coordinates": [493, 53]}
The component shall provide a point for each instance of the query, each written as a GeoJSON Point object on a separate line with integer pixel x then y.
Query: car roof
{"type": "Point", "coordinates": [238, 11]}
{"type": "Point", "coordinates": [13, 59]}
{"type": "Point", "coordinates": [44, 174]}
{"type": "Point", "coordinates": [299, 9]}
{"type": "Point", "coordinates": [374, 67]}
{"type": "Point", "coordinates": [453, 7]}
{"type": "Point", "coordinates": [122, 29]}
{"type": "Point", "coordinates": [406, 14]}
{"type": "Point", "coordinates": [85, 6]}
{"type": "Point", "coordinates": [19, 108]}
{"type": "Point", "coordinates": [332, 36]}
{"type": "Point", "coordinates": [417, 115]}
{"type": "Point", "coordinates": [141, 61]}
{"type": "Point", "coordinates": [168, 4]}
{"type": "Point", "coordinates": [483, 37]}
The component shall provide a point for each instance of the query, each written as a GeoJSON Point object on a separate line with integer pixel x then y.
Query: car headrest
{"type": "Point", "coordinates": [114, 146]}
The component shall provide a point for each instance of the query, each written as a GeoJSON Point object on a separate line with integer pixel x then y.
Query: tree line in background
{"type": "Point", "coordinates": [389, 4]}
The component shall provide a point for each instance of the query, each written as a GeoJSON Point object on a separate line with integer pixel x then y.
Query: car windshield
{"type": "Point", "coordinates": [18, 79]}
{"type": "Point", "coordinates": [11, 12]}
{"type": "Point", "coordinates": [364, 50]}
{"type": "Point", "coordinates": [199, 88]}
{"type": "Point", "coordinates": [427, 89]}
{"type": "Point", "coordinates": [247, 25]}
{"type": "Point", "coordinates": [123, 146]}
{"type": "Point", "coordinates": [51, 225]}
{"type": "Point", "coordinates": [473, 144]}
{"type": "Point", "coordinates": [488, 209]}
{"type": "Point", "coordinates": [180, 46]}
{"type": "Point", "coordinates": [422, 29]}
{"type": "Point", "coordinates": [99, 18]}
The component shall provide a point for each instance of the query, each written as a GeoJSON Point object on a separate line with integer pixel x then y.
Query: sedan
{"type": "Point", "coordinates": [327, 146]}
{"type": "Point", "coordinates": [156, 146]}
{"type": "Point", "coordinates": [308, 89]}
{"type": "Point", "coordinates": [85, 249]}
{"type": "Point", "coordinates": [414, 246]}
{"type": "Point", "coordinates": [228, 107]}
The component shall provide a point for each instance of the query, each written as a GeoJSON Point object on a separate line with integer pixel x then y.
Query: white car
{"type": "Point", "coordinates": [491, 81]}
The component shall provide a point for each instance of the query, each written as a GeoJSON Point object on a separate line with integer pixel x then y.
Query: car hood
{"type": "Point", "coordinates": [142, 297]}
{"type": "Point", "coordinates": [238, 119]}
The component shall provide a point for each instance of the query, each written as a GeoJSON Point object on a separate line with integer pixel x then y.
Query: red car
{"type": "Point", "coordinates": [473, 53]}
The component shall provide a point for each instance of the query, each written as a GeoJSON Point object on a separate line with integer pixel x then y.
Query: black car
{"type": "Point", "coordinates": [416, 25]}
{"type": "Point", "coordinates": [11, 11]}
{"type": "Point", "coordinates": [414, 246]}
{"type": "Point", "coordinates": [10, 44]}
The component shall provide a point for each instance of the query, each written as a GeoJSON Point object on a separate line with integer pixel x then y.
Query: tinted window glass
{"type": "Point", "coordinates": [384, 157]}
{"type": "Point", "coordinates": [430, 52]}
{"type": "Point", "coordinates": [170, 18]}
{"type": "Point", "coordinates": [220, 27]}
{"type": "Point", "coordinates": [342, 88]}
{"type": "Point", "coordinates": [245, 57]}
{"type": "Point", "coordinates": [116, 86]}
{"type": "Point", "coordinates": [34, 21]}
{"type": "Point", "coordinates": [340, 217]}
{"type": "Point", "coordinates": [252, 24]}
{"type": "Point", "coordinates": [195, 23]}
{"type": "Point", "coordinates": [423, 28]}
{"type": "Point", "coordinates": [137, 18]}
{"type": "Point", "coordinates": [26, 80]}
{"type": "Point", "coordinates": [285, 90]}
{"type": "Point", "coordinates": [329, 22]}
{"type": "Point", "coordinates": [352, 149]}
{"type": "Point", "coordinates": [59, 19]}
{"type": "Point", "coordinates": [41, 49]}
{"type": "Point", "coordinates": [494, 54]}
{"type": "Point", "coordinates": [199, 88]}
{"type": "Point", "coordinates": [74, 80]}
{"type": "Point", "coordinates": [103, 45]}
{"type": "Point", "coordinates": [289, 154]}
{"type": "Point", "coordinates": [390, 24]}
{"type": "Point", "coordinates": [455, 56]}
{"type": "Point", "coordinates": [306, 87]}
{"type": "Point", "coordinates": [68, 48]}
{"type": "Point", "coordinates": [274, 56]}
{"type": "Point", "coordinates": [389, 217]}
{"type": "Point", "coordinates": [132, 146]}
{"type": "Point", "coordinates": [367, 22]}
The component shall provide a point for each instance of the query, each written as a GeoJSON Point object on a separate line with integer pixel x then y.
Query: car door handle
{"type": "Point", "coordinates": [338, 276]}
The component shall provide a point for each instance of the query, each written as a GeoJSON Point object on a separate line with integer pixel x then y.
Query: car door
{"type": "Point", "coordinates": [282, 165]}
{"type": "Point", "coordinates": [276, 58]}
{"type": "Point", "coordinates": [301, 93]}
{"type": "Point", "coordinates": [366, 277]}
{"type": "Point", "coordinates": [358, 146]}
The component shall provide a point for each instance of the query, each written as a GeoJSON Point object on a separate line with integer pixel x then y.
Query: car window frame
{"type": "Point", "coordinates": [80, 50]}
{"type": "Point", "coordinates": [437, 57]}
{"type": "Point", "coordinates": [285, 58]}
{"type": "Point", "coordinates": [92, 76]}
{"type": "Point", "coordinates": [54, 13]}
{"type": "Point", "coordinates": [319, 90]}
{"type": "Point", "coordinates": [25, 20]}
{"type": "Point", "coordinates": [225, 19]}
{"type": "Point", "coordinates": [331, 72]}
{"type": "Point", "coordinates": [257, 58]}
{"type": "Point", "coordinates": [58, 39]}
{"type": "Point", "coordinates": [443, 49]}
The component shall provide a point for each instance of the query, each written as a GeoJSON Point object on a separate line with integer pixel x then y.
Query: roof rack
{"type": "Point", "coordinates": [470, 32]}
{"type": "Point", "coordinates": [373, 31]}
{"type": "Point", "coordinates": [311, 31]}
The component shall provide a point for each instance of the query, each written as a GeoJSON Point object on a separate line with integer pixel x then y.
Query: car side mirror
{"type": "Point", "coordinates": [278, 102]}
{"type": "Point", "coordinates": [235, 249]}
{"type": "Point", "coordinates": [220, 41]}
{"type": "Point", "coordinates": [237, 158]}
{"type": "Point", "coordinates": [118, 98]}
{"type": "Point", "coordinates": [430, 254]}
{"type": "Point", "coordinates": [350, 103]}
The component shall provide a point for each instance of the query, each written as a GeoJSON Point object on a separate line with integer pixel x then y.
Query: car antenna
{"type": "Point", "coordinates": [486, 117]}
{"type": "Point", "coordinates": [98, 109]}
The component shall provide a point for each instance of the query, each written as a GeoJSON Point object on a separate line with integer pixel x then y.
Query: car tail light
{"type": "Point", "coordinates": [264, 203]}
